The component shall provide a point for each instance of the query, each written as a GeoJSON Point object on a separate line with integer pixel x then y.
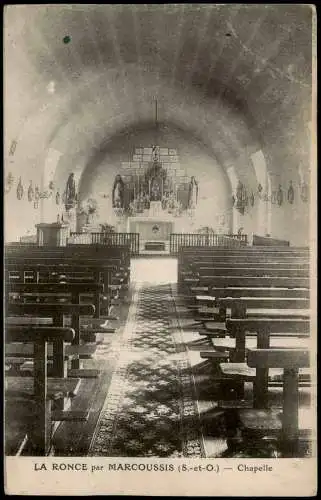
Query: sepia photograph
{"type": "Point", "coordinates": [160, 249]}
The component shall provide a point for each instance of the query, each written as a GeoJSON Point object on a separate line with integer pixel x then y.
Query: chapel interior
{"type": "Point", "coordinates": [159, 189]}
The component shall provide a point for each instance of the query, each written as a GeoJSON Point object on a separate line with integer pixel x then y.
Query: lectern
{"type": "Point", "coordinates": [52, 235]}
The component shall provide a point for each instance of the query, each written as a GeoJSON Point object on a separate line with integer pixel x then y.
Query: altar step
{"type": "Point", "coordinates": [149, 247]}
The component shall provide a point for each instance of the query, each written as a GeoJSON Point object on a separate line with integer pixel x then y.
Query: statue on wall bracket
{"type": "Point", "coordinates": [192, 193]}
{"type": "Point", "coordinates": [20, 190]}
{"type": "Point", "coordinates": [279, 195]}
{"type": "Point", "coordinates": [304, 192]}
{"type": "Point", "coordinates": [291, 193]}
{"type": "Point", "coordinates": [70, 193]}
{"type": "Point", "coordinates": [118, 192]}
{"type": "Point", "coordinates": [241, 198]}
{"type": "Point", "coordinates": [30, 192]}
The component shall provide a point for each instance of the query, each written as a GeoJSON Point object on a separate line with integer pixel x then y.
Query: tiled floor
{"type": "Point", "coordinates": [150, 409]}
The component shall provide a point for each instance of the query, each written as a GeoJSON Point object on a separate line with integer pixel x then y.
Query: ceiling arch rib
{"type": "Point", "coordinates": [224, 133]}
{"type": "Point", "coordinates": [241, 89]}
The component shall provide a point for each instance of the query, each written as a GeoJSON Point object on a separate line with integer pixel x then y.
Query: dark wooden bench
{"type": "Point", "coordinates": [199, 268]}
{"type": "Point", "coordinates": [263, 325]}
{"type": "Point", "coordinates": [120, 255]}
{"type": "Point", "coordinates": [56, 312]}
{"type": "Point", "coordinates": [238, 299]}
{"type": "Point", "coordinates": [38, 394]}
{"type": "Point", "coordinates": [63, 292]}
{"type": "Point", "coordinates": [247, 307]}
{"type": "Point", "coordinates": [188, 256]}
{"type": "Point", "coordinates": [248, 281]}
{"type": "Point", "coordinates": [212, 300]}
{"type": "Point", "coordinates": [57, 271]}
{"type": "Point", "coordinates": [264, 328]}
{"type": "Point", "coordinates": [284, 422]}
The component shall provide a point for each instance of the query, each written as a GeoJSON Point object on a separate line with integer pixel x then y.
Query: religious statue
{"type": "Point", "coordinates": [291, 193]}
{"type": "Point", "coordinates": [156, 188]}
{"type": "Point", "coordinates": [156, 182]}
{"type": "Point", "coordinates": [280, 195]}
{"type": "Point", "coordinates": [118, 192]}
{"type": "Point", "coordinates": [192, 193]}
{"type": "Point", "coordinates": [30, 192]}
{"type": "Point", "coordinates": [70, 195]}
{"type": "Point", "coordinates": [304, 192]}
{"type": "Point", "coordinates": [241, 197]}
{"type": "Point", "coordinates": [20, 190]}
{"type": "Point", "coordinates": [9, 182]}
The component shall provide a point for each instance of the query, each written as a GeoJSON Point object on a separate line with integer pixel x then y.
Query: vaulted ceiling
{"type": "Point", "coordinates": [236, 77]}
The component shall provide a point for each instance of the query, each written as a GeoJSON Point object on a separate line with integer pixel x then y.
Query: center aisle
{"type": "Point", "coordinates": [151, 408]}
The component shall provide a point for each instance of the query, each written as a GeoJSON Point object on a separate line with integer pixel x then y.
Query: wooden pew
{"type": "Point", "coordinates": [247, 307]}
{"type": "Point", "coordinates": [251, 281]}
{"type": "Point", "coordinates": [238, 299]}
{"type": "Point", "coordinates": [260, 420]}
{"type": "Point", "coordinates": [235, 292]}
{"type": "Point", "coordinates": [264, 328]}
{"type": "Point", "coordinates": [247, 249]}
{"type": "Point", "coordinates": [66, 292]}
{"type": "Point", "coordinates": [245, 278]}
{"type": "Point", "coordinates": [57, 312]}
{"type": "Point", "coordinates": [40, 390]}
{"type": "Point", "coordinates": [251, 271]}
{"type": "Point", "coordinates": [242, 307]}
{"type": "Point", "coordinates": [120, 255]}
{"type": "Point", "coordinates": [232, 263]}
{"type": "Point", "coordinates": [197, 268]}
{"type": "Point", "coordinates": [187, 256]}
{"type": "Point", "coordinates": [274, 309]}
{"type": "Point", "coordinates": [46, 290]}
{"type": "Point", "coordinates": [64, 272]}
{"type": "Point", "coordinates": [116, 256]}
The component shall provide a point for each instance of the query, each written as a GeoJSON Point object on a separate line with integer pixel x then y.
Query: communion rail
{"type": "Point", "coordinates": [206, 240]}
{"type": "Point", "coordinates": [111, 239]}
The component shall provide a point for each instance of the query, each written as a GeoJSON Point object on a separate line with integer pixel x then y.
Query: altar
{"type": "Point", "coordinates": [151, 228]}
{"type": "Point", "coordinates": [154, 226]}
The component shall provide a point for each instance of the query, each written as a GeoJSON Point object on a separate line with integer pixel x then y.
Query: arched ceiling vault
{"type": "Point", "coordinates": [236, 77]}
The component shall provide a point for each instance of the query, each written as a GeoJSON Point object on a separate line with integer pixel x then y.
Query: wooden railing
{"type": "Point", "coordinates": [111, 239]}
{"type": "Point", "coordinates": [206, 240]}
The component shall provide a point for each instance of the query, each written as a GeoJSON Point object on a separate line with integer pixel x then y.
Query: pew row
{"type": "Point", "coordinates": [57, 312]}
{"type": "Point", "coordinates": [37, 398]}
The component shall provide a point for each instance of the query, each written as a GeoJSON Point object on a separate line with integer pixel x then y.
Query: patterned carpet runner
{"type": "Point", "coordinates": [150, 409]}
